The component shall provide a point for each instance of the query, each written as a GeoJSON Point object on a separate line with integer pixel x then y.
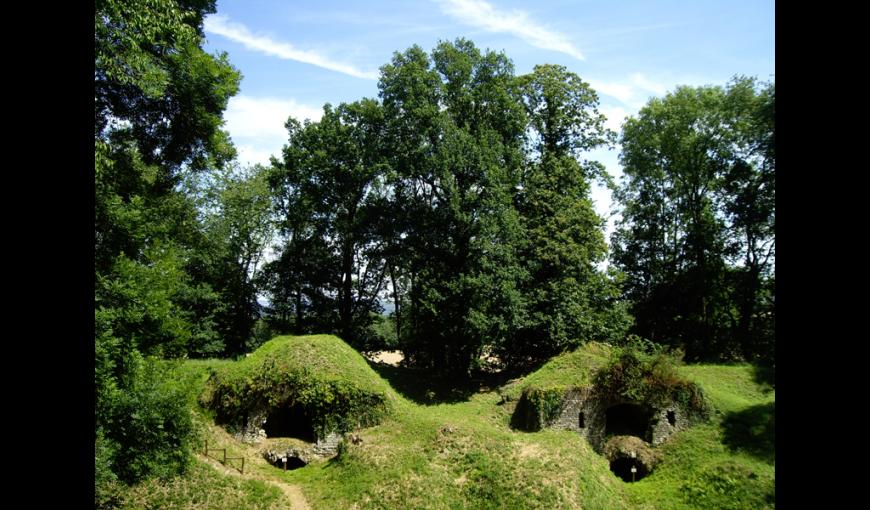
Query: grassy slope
{"type": "Point", "coordinates": [727, 463]}
{"type": "Point", "coordinates": [465, 455]}
{"type": "Point", "coordinates": [204, 487]}
{"type": "Point", "coordinates": [572, 369]}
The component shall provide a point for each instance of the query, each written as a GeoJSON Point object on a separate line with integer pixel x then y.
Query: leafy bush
{"type": "Point", "coordinates": [643, 372]}
{"type": "Point", "coordinates": [145, 429]}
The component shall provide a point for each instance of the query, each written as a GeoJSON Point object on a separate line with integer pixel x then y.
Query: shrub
{"type": "Point", "coordinates": [643, 372]}
{"type": "Point", "coordinates": [147, 429]}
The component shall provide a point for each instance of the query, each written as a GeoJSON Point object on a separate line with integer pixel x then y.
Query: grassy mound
{"type": "Point", "coordinates": [323, 375]}
{"type": "Point", "coordinates": [651, 378]}
{"type": "Point", "coordinates": [540, 394]}
{"type": "Point", "coordinates": [462, 453]}
{"type": "Point", "coordinates": [575, 369]}
{"type": "Point", "coordinates": [610, 373]}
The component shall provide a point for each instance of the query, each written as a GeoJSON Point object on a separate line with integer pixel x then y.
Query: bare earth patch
{"type": "Point", "coordinates": [530, 451]}
{"type": "Point", "coordinates": [392, 358]}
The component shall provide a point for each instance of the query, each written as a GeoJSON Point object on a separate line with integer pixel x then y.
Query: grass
{"type": "Point", "coordinates": [728, 463]}
{"type": "Point", "coordinates": [204, 488]}
{"type": "Point", "coordinates": [325, 358]}
{"type": "Point", "coordinates": [455, 449]}
{"type": "Point", "coordinates": [461, 455]}
{"type": "Point", "coordinates": [574, 369]}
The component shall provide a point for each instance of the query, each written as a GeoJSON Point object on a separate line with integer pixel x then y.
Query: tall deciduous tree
{"type": "Point", "coordinates": [158, 101]}
{"type": "Point", "coordinates": [569, 299]}
{"type": "Point", "coordinates": [698, 198]}
{"type": "Point", "coordinates": [455, 131]}
{"type": "Point", "coordinates": [331, 263]}
{"type": "Point", "coordinates": [238, 227]}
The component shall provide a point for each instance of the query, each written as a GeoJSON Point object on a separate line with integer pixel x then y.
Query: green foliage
{"type": "Point", "coordinates": [462, 194]}
{"type": "Point", "coordinates": [651, 377]}
{"type": "Point", "coordinates": [322, 374]}
{"type": "Point", "coordinates": [107, 490]}
{"type": "Point", "coordinates": [382, 333]}
{"type": "Point", "coordinates": [158, 104]}
{"type": "Point", "coordinates": [697, 237]}
{"type": "Point", "coordinates": [144, 428]}
{"type": "Point", "coordinates": [262, 333]}
{"type": "Point", "coordinates": [237, 228]}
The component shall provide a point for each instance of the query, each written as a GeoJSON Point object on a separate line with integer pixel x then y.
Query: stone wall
{"type": "Point", "coordinates": [583, 401]}
{"type": "Point", "coordinates": [663, 428]}
{"type": "Point", "coordinates": [252, 431]}
{"type": "Point", "coordinates": [593, 409]}
{"type": "Point", "coordinates": [328, 446]}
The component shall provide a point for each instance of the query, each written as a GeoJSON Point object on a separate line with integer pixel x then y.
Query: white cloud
{"type": "Point", "coordinates": [221, 25]}
{"type": "Point", "coordinates": [634, 92]}
{"type": "Point", "coordinates": [615, 116]}
{"type": "Point", "coordinates": [250, 155]}
{"type": "Point", "coordinates": [644, 83]}
{"type": "Point", "coordinates": [482, 14]}
{"type": "Point", "coordinates": [256, 125]}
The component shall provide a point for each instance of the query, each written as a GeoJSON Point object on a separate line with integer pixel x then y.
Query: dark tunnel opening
{"type": "Point", "coordinates": [289, 421]}
{"type": "Point", "coordinates": [292, 463]}
{"type": "Point", "coordinates": [628, 420]}
{"type": "Point", "coordinates": [621, 467]}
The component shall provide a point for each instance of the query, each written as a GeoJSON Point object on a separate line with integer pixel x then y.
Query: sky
{"type": "Point", "coordinates": [296, 56]}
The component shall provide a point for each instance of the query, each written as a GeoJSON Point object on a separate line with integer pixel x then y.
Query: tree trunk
{"type": "Point", "coordinates": [346, 294]}
{"type": "Point", "coordinates": [396, 301]}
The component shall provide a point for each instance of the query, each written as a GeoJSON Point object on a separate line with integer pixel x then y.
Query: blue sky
{"type": "Point", "coordinates": [296, 56]}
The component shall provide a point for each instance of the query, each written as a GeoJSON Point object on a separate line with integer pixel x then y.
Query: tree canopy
{"type": "Point", "coordinates": [697, 236]}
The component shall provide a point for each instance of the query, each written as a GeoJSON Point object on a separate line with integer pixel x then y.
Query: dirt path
{"type": "Point", "coordinates": [292, 492]}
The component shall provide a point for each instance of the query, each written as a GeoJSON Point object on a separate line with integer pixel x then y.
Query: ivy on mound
{"type": "Point", "coordinates": [636, 374]}
{"type": "Point", "coordinates": [323, 375]}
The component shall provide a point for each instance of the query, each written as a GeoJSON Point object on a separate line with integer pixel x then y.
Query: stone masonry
{"type": "Point", "coordinates": [584, 412]}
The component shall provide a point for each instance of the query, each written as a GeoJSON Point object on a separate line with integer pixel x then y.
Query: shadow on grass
{"type": "Point", "coordinates": [765, 376]}
{"type": "Point", "coordinates": [426, 387]}
{"type": "Point", "coordinates": [752, 430]}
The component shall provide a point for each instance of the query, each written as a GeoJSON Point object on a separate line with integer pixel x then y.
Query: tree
{"type": "Point", "coordinates": [569, 299]}
{"type": "Point", "coordinates": [698, 192]}
{"type": "Point", "coordinates": [454, 130]}
{"type": "Point", "coordinates": [158, 101]}
{"type": "Point", "coordinates": [238, 227]}
{"type": "Point", "coordinates": [324, 190]}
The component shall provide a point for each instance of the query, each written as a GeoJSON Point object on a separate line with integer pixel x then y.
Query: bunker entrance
{"type": "Point", "coordinates": [289, 421]}
{"type": "Point", "coordinates": [621, 467]}
{"type": "Point", "coordinates": [628, 420]}
{"type": "Point", "coordinates": [290, 462]}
